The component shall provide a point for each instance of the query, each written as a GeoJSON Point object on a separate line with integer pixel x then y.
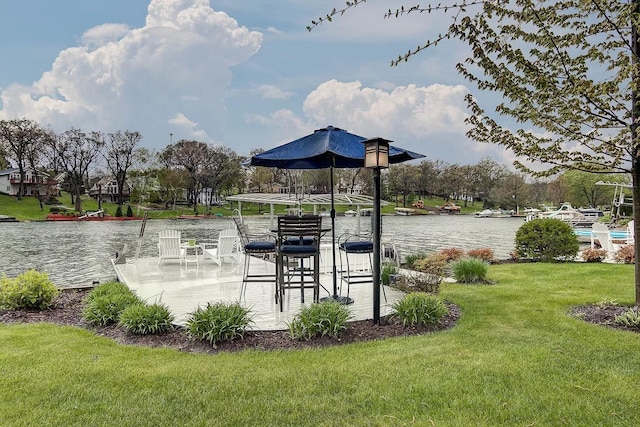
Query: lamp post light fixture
{"type": "Point", "coordinates": [376, 157]}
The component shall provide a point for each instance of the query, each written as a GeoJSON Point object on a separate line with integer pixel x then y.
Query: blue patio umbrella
{"type": "Point", "coordinates": [330, 147]}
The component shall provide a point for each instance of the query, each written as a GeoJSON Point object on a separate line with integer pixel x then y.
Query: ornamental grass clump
{"type": "Point", "coordinates": [470, 270]}
{"type": "Point", "coordinates": [106, 289]}
{"type": "Point", "coordinates": [319, 320]}
{"type": "Point", "coordinates": [420, 308]}
{"type": "Point", "coordinates": [388, 270]}
{"type": "Point", "coordinates": [546, 240]}
{"type": "Point", "coordinates": [31, 290]}
{"type": "Point", "coordinates": [106, 302]}
{"type": "Point", "coordinates": [219, 322]}
{"type": "Point", "coordinates": [144, 319]}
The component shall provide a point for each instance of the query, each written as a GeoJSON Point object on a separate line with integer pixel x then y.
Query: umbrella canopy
{"type": "Point", "coordinates": [330, 147]}
{"type": "Point", "coordinates": [324, 148]}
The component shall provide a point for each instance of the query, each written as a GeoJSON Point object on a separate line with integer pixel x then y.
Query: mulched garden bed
{"type": "Point", "coordinates": [602, 315]}
{"type": "Point", "coordinates": [67, 310]}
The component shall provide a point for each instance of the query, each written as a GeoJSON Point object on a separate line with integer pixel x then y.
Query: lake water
{"type": "Point", "coordinates": [78, 253]}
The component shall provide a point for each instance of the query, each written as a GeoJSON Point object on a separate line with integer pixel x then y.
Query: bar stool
{"type": "Point", "coordinates": [298, 239]}
{"type": "Point", "coordinates": [354, 244]}
{"type": "Point", "coordinates": [254, 248]}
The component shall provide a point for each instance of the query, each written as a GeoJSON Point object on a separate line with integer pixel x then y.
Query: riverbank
{"type": "Point", "coordinates": [28, 209]}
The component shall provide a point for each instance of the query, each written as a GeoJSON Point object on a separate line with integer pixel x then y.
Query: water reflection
{"type": "Point", "coordinates": [78, 253]}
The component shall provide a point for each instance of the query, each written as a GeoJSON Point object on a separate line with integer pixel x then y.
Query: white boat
{"type": "Point", "coordinates": [350, 213]}
{"type": "Point", "coordinates": [405, 211]}
{"type": "Point", "coordinates": [567, 213]}
{"type": "Point", "coordinates": [491, 213]}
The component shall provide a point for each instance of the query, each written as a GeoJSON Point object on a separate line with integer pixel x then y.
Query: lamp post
{"type": "Point", "coordinates": [376, 157]}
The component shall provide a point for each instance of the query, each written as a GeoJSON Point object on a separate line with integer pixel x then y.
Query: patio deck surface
{"type": "Point", "coordinates": [183, 288]}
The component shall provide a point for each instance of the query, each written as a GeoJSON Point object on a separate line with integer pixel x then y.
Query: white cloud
{"type": "Point", "coordinates": [131, 78]}
{"type": "Point", "coordinates": [425, 119]}
{"type": "Point", "coordinates": [103, 34]}
{"type": "Point", "coordinates": [273, 92]}
{"type": "Point", "coordinates": [406, 110]}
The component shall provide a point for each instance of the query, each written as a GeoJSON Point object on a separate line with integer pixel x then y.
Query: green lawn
{"type": "Point", "coordinates": [515, 358]}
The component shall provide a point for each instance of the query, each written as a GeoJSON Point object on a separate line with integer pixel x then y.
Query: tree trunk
{"type": "Point", "coordinates": [78, 201]}
{"type": "Point", "coordinates": [636, 223]}
{"type": "Point", "coordinates": [635, 155]}
{"type": "Point", "coordinates": [20, 183]}
{"type": "Point", "coordinates": [120, 193]}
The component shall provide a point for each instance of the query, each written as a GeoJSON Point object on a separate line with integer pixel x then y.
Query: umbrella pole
{"type": "Point", "coordinates": [335, 296]}
{"type": "Point", "coordinates": [333, 236]}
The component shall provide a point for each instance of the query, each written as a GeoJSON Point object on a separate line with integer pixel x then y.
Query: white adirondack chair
{"type": "Point", "coordinates": [597, 227]}
{"type": "Point", "coordinates": [606, 243]}
{"type": "Point", "coordinates": [631, 235]}
{"type": "Point", "coordinates": [169, 246]}
{"type": "Point", "coordinates": [225, 248]}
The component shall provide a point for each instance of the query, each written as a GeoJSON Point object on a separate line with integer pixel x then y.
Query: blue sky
{"type": "Point", "coordinates": [245, 74]}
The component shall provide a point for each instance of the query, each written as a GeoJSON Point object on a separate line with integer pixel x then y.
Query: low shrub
{"type": "Point", "coordinates": [411, 259]}
{"type": "Point", "coordinates": [606, 302]}
{"type": "Point", "coordinates": [143, 319]}
{"type": "Point", "coordinates": [129, 211]}
{"type": "Point", "coordinates": [106, 309]}
{"type": "Point", "coordinates": [219, 322]}
{"type": "Point", "coordinates": [452, 254]}
{"type": "Point", "coordinates": [470, 270]}
{"type": "Point", "coordinates": [594, 255]}
{"type": "Point", "coordinates": [31, 290]}
{"type": "Point", "coordinates": [319, 320]}
{"type": "Point", "coordinates": [630, 318]}
{"type": "Point", "coordinates": [107, 289]}
{"type": "Point", "coordinates": [546, 240]}
{"type": "Point", "coordinates": [420, 308]}
{"type": "Point", "coordinates": [485, 254]}
{"type": "Point", "coordinates": [626, 254]}
{"type": "Point", "coordinates": [118, 211]}
{"type": "Point", "coordinates": [434, 264]}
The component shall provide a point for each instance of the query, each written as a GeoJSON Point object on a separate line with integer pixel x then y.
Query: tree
{"type": "Point", "coordinates": [23, 140]}
{"type": "Point", "coordinates": [584, 190]}
{"type": "Point", "coordinates": [558, 190]}
{"type": "Point", "coordinates": [487, 175]}
{"type": "Point", "coordinates": [454, 182]}
{"type": "Point", "coordinates": [349, 177]}
{"type": "Point", "coordinates": [75, 152]}
{"type": "Point", "coordinates": [402, 180]}
{"type": "Point", "coordinates": [221, 167]}
{"type": "Point", "coordinates": [4, 164]}
{"type": "Point", "coordinates": [119, 154]}
{"type": "Point", "coordinates": [143, 177]}
{"type": "Point", "coordinates": [512, 191]}
{"type": "Point", "coordinates": [430, 174]}
{"type": "Point", "coordinates": [172, 182]}
{"type": "Point", "coordinates": [568, 74]}
{"type": "Point", "coordinates": [190, 156]}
